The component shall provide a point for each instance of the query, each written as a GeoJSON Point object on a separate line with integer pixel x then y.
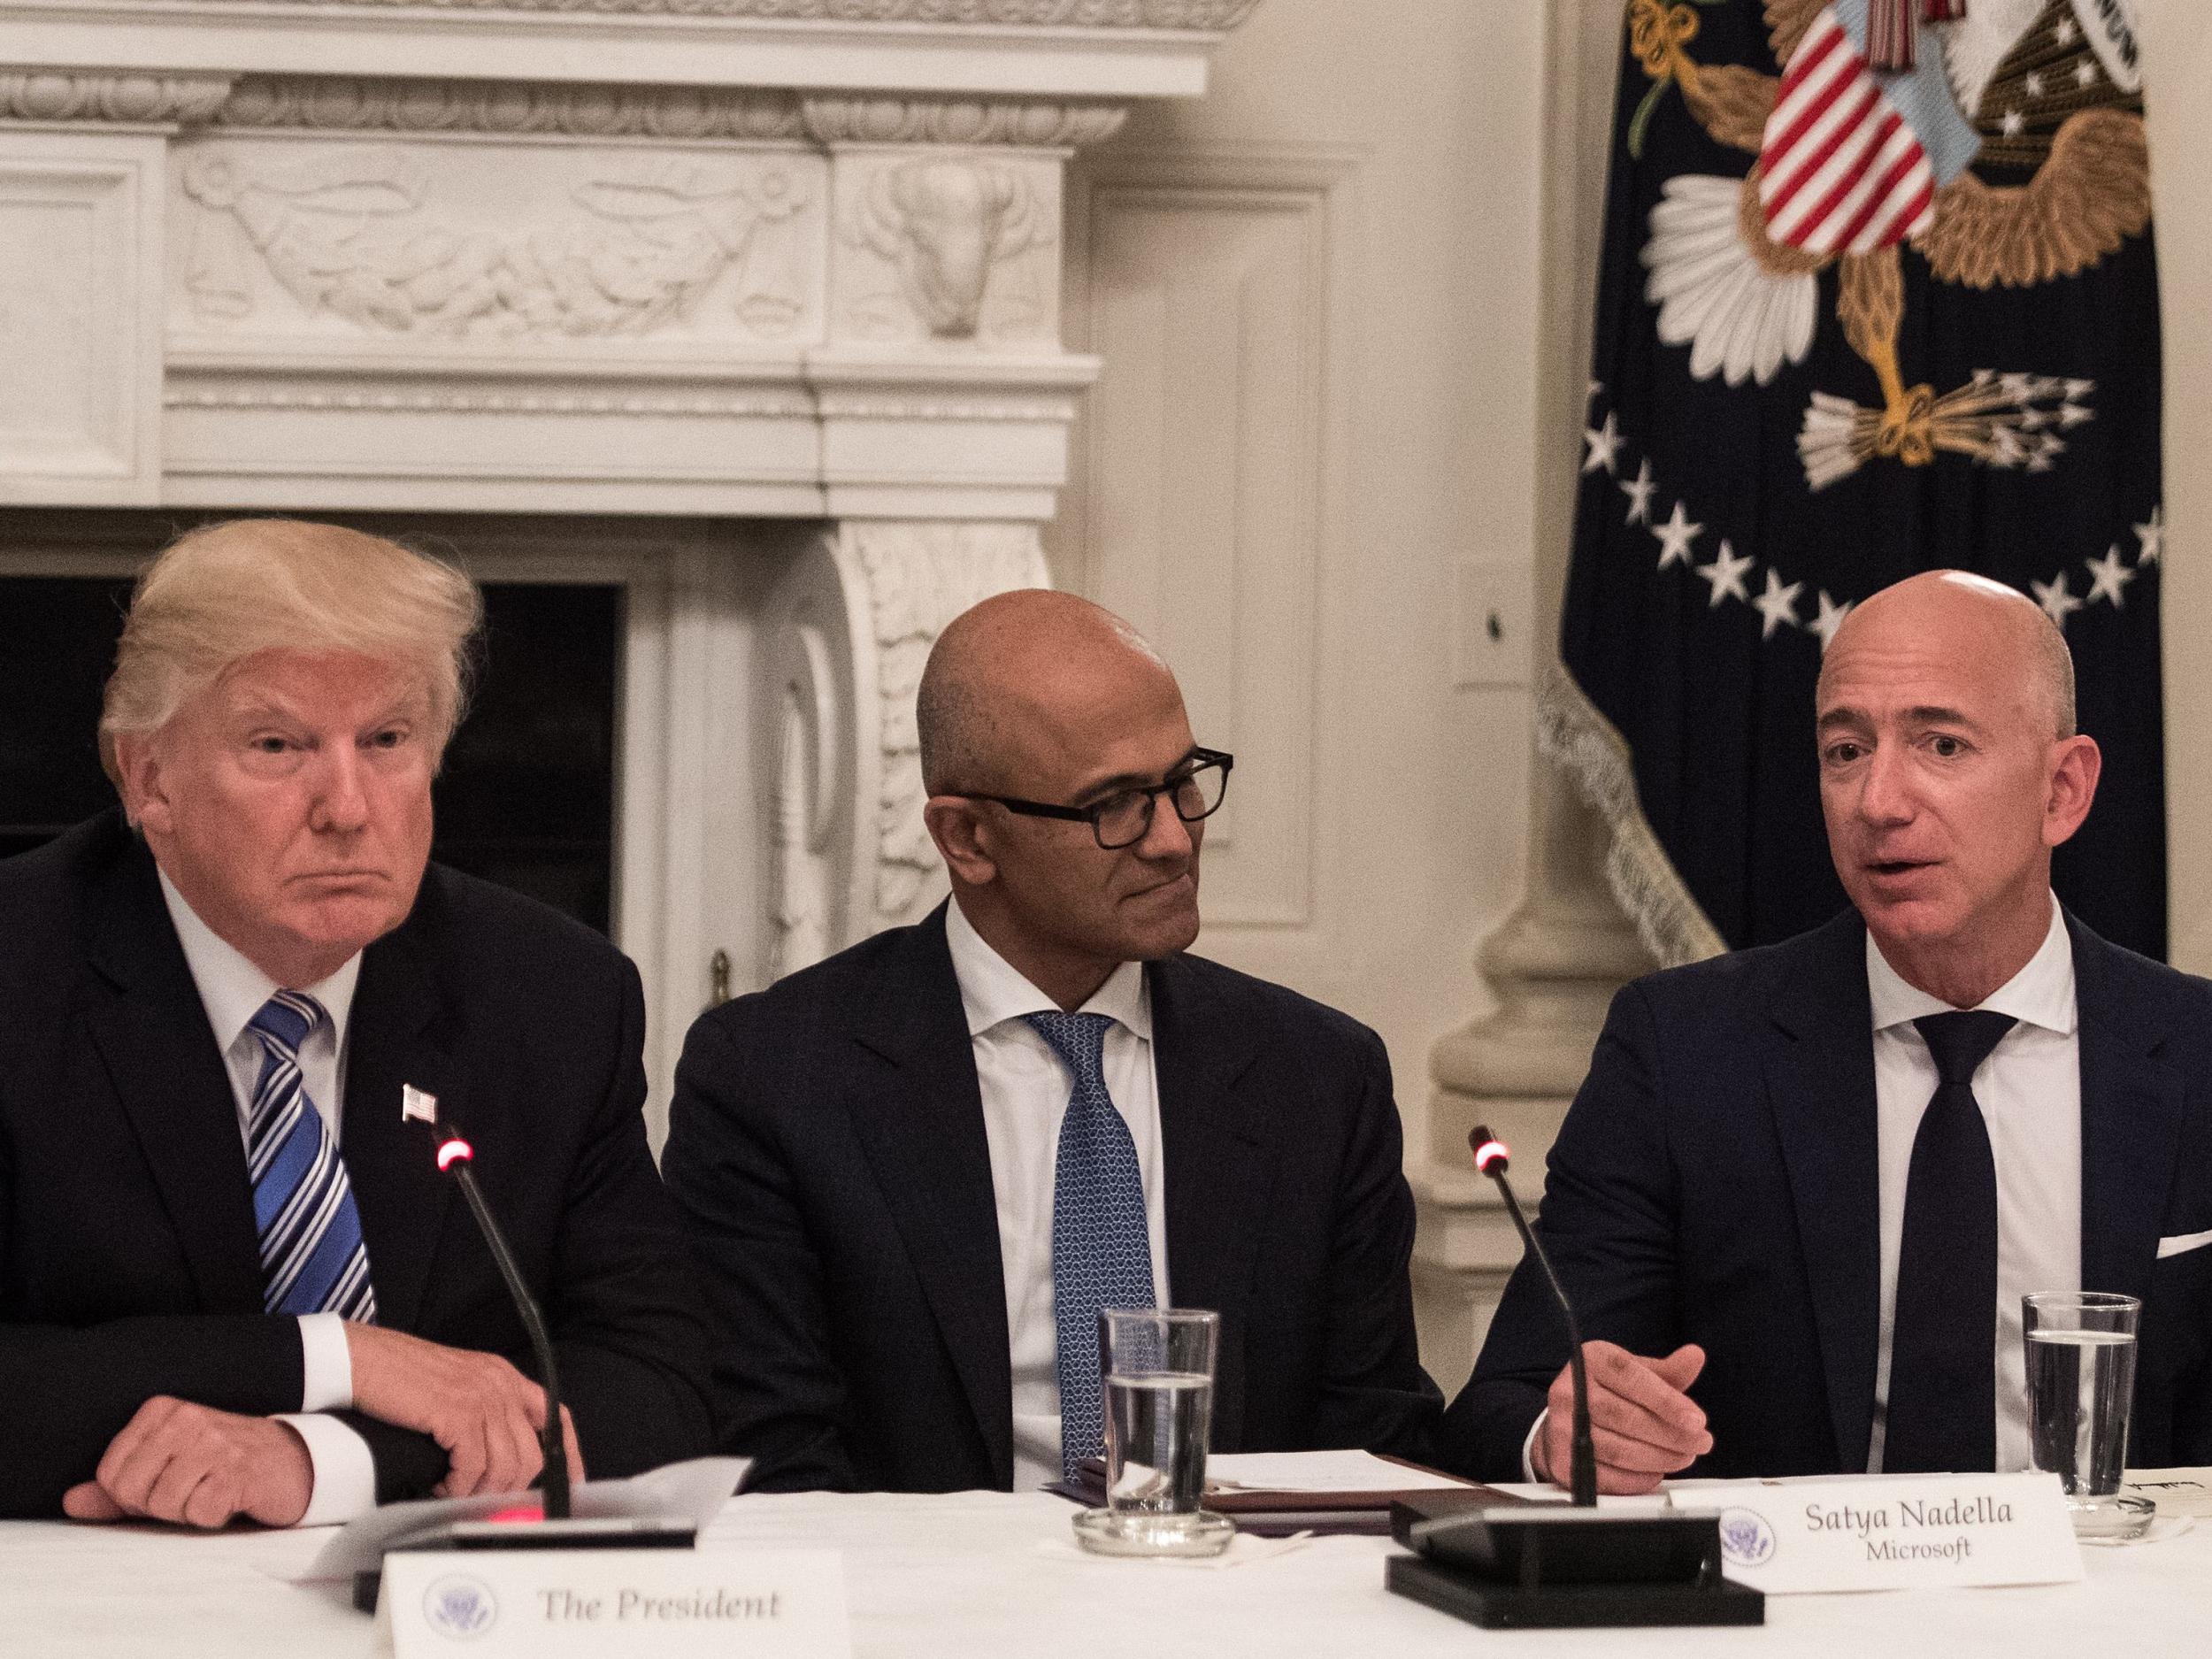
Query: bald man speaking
{"type": "Point", "coordinates": [1804, 1188]}
{"type": "Point", "coordinates": [914, 1173]}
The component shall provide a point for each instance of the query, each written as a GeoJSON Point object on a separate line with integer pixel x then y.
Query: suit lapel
{"type": "Point", "coordinates": [918, 1109]}
{"type": "Point", "coordinates": [1218, 1165]}
{"type": "Point", "coordinates": [2131, 1119]}
{"type": "Point", "coordinates": [160, 1056]}
{"type": "Point", "coordinates": [395, 1035]}
{"type": "Point", "coordinates": [1819, 1066]}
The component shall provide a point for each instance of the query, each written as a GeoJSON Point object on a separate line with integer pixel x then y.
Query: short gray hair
{"type": "Point", "coordinates": [223, 592]}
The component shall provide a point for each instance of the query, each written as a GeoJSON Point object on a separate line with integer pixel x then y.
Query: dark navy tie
{"type": "Point", "coordinates": [1942, 1407]}
{"type": "Point", "coordinates": [1102, 1254]}
{"type": "Point", "coordinates": [312, 1256]}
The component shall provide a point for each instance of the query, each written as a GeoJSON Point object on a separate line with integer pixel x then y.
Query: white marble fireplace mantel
{"type": "Point", "coordinates": [791, 267]}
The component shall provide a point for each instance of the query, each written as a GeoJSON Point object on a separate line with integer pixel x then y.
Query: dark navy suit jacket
{"type": "Point", "coordinates": [826, 1143]}
{"type": "Point", "coordinates": [128, 1265]}
{"type": "Point", "coordinates": [1714, 1183]}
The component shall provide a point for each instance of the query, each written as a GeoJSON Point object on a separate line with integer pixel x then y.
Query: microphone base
{"type": "Point", "coordinates": [1534, 1566]}
{"type": "Point", "coordinates": [608, 1533]}
{"type": "Point", "coordinates": [1498, 1606]}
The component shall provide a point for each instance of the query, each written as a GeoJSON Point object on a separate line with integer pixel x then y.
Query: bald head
{"type": "Point", "coordinates": [1022, 672]}
{"type": "Point", "coordinates": [1949, 769]}
{"type": "Point", "coordinates": [1999, 629]}
{"type": "Point", "coordinates": [1043, 719]}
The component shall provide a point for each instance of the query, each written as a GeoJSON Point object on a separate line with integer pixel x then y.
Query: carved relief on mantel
{"type": "Point", "coordinates": [835, 293]}
{"type": "Point", "coordinates": [117, 100]}
{"type": "Point", "coordinates": [948, 247]}
{"type": "Point", "coordinates": [552, 244]}
{"type": "Point", "coordinates": [847, 633]}
{"type": "Point", "coordinates": [517, 108]}
{"type": "Point", "coordinates": [917, 576]}
{"type": "Point", "coordinates": [1035, 124]}
{"type": "Point", "coordinates": [712, 215]}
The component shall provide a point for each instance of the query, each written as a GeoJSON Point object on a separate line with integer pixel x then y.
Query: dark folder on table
{"type": "Point", "coordinates": [1269, 1513]}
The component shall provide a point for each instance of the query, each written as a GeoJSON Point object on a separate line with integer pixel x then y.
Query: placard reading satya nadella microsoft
{"type": "Point", "coordinates": [762, 1604]}
{"type": "Point", "coordinates": [1890, 1531]}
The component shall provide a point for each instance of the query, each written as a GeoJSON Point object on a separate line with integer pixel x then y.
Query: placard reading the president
{"type": "Point", "coordinates": [760, 1605]}
{"type": "Point", "coordinates": [1890, 1533]}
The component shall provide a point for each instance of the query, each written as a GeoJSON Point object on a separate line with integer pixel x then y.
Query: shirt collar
{"type": "Point", "coordinates": [232, 990]}
{"type": "Point", "coordinates": [2041, 994]}
{"type": "Point", "coordinates": [994, 991]}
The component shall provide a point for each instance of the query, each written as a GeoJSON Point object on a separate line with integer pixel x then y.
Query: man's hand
{"type": "Point", "coordinates": [179, 1462]}
{"type": "Point", "coordinates": [480, 1409]}
{"type": "Point", "coordinates": [1642, 1425]}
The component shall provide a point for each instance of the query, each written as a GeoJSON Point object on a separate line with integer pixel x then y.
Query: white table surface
{"type": "Point", "coordinates": [972, 1575]}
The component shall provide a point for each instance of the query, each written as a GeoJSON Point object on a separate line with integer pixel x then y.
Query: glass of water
{"type": "Point", "coordinates": [2081, 1383]}
{"type": "Point", "coordinates": [1158, 1370]}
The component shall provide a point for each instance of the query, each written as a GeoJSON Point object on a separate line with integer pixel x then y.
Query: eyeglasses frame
{"type": "Point", "coordinates": [1197, 761]}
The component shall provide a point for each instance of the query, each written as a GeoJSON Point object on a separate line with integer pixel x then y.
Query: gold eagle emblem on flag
{"type": "Point", "coordinates": [1853, 161]}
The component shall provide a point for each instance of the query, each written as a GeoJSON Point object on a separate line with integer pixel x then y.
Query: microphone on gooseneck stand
{"type": "Point", "coordinates": [455, 1156]}
{"type": "Point", "coordinates": [1508, 1563]}
{"type": "Point", "coordinates": [493, 1520]}
{"type": "Point", "coordinates": [1491, 1159]}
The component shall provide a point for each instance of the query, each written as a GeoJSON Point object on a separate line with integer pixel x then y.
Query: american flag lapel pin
{"type": "Point", "coordinates": [416, 1106]}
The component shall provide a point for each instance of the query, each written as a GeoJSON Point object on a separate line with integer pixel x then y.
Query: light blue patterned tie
{"type": "Point", "coordinates": [312, 1259]}
{"type": "Point", "coordinates": [1102, 1254]}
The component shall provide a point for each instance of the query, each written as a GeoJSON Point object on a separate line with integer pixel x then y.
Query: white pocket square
{"type": "Point", "coordinates": [2182, 1243]}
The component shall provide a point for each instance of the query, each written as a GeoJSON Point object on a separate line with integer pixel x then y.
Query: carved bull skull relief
{"type": "Point", "coordinates": [943, 223]}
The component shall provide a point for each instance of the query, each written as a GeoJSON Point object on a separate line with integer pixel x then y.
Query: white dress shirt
{"type": "Point", "coordinates": [2029, 1092]}
{"type": "Point", "coordinates": [1026, 1090]}
{"type": "Point", "coordinates": [233, 991]}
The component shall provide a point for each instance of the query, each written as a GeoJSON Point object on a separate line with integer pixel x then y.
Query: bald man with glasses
{"type": "Point", "coordinates": [914, 1173]}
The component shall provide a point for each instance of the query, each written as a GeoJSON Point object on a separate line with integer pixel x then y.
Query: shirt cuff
{"type": "Point", "coordinates": [1528, 1446]}
{"type": "Point", "coordinates": [326, 1363]}
{"type": "Point", "coordinates": [344, 1470]}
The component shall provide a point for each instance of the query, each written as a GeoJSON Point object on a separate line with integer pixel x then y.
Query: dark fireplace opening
{"type": "Point", "coordinates": [527, 796]}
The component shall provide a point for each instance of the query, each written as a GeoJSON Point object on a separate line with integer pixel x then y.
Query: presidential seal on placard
{"type": "Point", "coordinates": [460, 1607]}
{"type": "Point", "coordinates": [1746, 1539]}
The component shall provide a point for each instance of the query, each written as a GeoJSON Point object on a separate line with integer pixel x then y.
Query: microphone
{"type": "Point", "coordinates": [455, 1154]}
{"type": "Point", "coordinates": [1491, 1159]}
{"type": "Point", "coordinates": [617, 1515]}
{"type": "Point", "coordinates": [1561, 1565]}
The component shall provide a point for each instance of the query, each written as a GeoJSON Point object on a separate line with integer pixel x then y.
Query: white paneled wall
{"type": "Point", "coordinates": [83, 314]}
{"type": "Point", "coordinates": [1210, 456]}
{"type": "Point", "coordinates": [1317, 297]}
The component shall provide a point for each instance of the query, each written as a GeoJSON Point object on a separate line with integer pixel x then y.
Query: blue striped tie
{"type": "Point", "coordinates": [312, 1259]}
{"type": "Point", "coordinates": [1102, 1251]}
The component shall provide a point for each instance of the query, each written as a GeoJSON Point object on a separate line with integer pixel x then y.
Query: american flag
{"type": "Point", "coordinates": [1842, 170]}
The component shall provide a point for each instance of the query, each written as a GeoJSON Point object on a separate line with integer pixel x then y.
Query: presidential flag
{"type": "Point", "coordinates": [1879, 297]}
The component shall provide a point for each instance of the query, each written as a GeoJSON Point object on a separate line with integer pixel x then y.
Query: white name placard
{"type": "Point", "coordinates": [1889, 1532]}
{"type": "Point", "coordinates": [671, 1604]}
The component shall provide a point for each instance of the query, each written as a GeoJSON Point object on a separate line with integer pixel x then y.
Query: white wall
{"type": "Point", "coordinates": [1318, 295]}
{"type": "Point", "coordinates": [2177, 56]}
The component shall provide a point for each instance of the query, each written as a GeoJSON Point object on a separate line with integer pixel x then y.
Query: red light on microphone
{"type": "Point", "coordinates": [1491, 1155]}
{"type": "Point", "coordinates": [520, 1514]}
{"type": "Point", "coordinates": [454, 1151]}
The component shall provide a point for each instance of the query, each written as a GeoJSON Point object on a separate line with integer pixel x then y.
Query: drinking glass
{"type": "Point", "coordinates": [2081, 1383]}
{"type": "Point", "coordinates": [1158, 1368]}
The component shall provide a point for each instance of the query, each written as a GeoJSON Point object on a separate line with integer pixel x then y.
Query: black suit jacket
{"type": "Point", "coordinates": [1715, 1182]}
{"type": "Point", "coordinates": [827, 1144]}
{"type": "Point", "coordinates": [128, 1263]}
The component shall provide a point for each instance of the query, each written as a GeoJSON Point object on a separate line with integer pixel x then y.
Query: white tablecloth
{"type": "Point", "coordinates": [970, 1575]}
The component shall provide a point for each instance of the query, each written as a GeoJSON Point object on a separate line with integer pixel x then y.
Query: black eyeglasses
{"type": "Point", "coordinates": [1125, 817]}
